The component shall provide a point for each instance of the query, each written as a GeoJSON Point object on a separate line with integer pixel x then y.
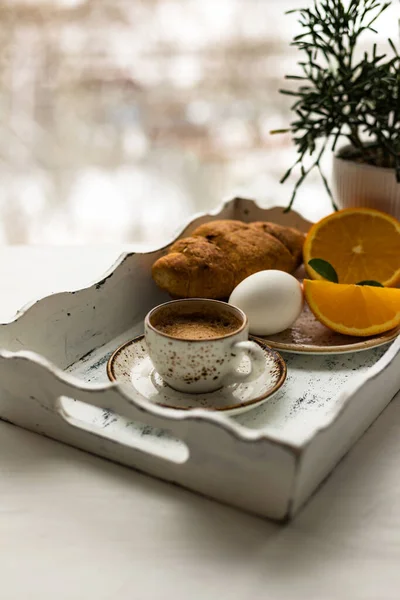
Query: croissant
{"type": "Point", "coordinates": [220, 254]}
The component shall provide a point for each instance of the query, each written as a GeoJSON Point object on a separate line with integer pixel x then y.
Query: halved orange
{"type": "Point", "coordinates": [353, 309]}
{"type": "Point", "coordinates": [360, 243]}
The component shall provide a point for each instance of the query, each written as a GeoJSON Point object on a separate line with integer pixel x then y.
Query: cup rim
{"type": "Point", "coordinates": [236, 309]}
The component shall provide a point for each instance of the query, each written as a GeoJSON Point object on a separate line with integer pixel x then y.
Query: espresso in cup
{"type": "Point", "coordinates": [197, 326]}
{"type": "Point", "coordinates": [197, 345]}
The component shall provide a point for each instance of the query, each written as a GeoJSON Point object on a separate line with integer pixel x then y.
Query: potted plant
{"type": "Point", "coordinates": [342, 96]}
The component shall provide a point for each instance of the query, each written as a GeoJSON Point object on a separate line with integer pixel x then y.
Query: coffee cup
{"type": "Point", "coordinates": [197, 345]}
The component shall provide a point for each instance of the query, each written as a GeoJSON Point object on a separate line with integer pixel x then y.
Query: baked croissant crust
{"type": "Point", "coordinates": [220, 254]}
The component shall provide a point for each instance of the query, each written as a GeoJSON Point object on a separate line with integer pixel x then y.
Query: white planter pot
{"type": "Point", "coordinates": [356, 184]}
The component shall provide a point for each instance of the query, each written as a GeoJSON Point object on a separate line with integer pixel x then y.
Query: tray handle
{"type": "Point", "coordinates": [122, 426]}
{"type": "Point", "coordinates": [44, 399]}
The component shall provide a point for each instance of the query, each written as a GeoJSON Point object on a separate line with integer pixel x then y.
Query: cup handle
{"type": "Point", "coordinates": [257, 362]}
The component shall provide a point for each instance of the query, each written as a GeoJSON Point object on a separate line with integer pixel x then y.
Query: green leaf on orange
{"type": "Point", "coordinates": [324, 268]}
{"type": "Point", "coordinates": [370, 282]}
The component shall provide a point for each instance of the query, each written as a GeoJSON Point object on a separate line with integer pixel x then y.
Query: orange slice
{"type": "Point", "coordinates": [360, 243]}
{"type": "Point", "coordinates": [353, 309]}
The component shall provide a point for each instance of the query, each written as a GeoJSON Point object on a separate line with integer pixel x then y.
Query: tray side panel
{"type": "Point", "coordinates": [364, 402]}
{"type": "Point", "coordinates": [208, 457]}
{"type": "Point", "coordinates": [64, 327]}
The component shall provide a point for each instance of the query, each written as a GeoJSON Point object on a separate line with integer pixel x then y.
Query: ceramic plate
{"type": "Point", "coordinates": [130, 364]}
{"type": "Point", "coordinates": [309, 336]}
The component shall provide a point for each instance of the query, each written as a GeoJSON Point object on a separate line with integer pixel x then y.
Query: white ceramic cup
{"type": "Point", "coordinates": [199, 366]}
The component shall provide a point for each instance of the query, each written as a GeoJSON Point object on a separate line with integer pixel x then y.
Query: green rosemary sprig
{"type": "Point", "coordinates": [339, 96]}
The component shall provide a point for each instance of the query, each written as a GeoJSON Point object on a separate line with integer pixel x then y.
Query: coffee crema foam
{"type": "Point", "coordinates": [199, 327]}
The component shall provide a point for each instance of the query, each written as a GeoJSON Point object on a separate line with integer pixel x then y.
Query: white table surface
{"type": "Point", "coordinates": [73, 526]}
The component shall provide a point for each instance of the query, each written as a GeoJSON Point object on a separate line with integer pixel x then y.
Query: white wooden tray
{"type": "Point", "coordinates": [268, 461]}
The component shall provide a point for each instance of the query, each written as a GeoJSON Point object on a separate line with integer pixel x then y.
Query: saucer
{"type": "Point", "coordinates": [131, 364]}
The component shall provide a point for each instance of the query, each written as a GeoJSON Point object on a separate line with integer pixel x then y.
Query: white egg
{"type": "Point", "coordinates": [272, 301]}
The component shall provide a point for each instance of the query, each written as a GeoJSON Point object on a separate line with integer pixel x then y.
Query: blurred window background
{"type": "Point", "coordinates": [121, 118]}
